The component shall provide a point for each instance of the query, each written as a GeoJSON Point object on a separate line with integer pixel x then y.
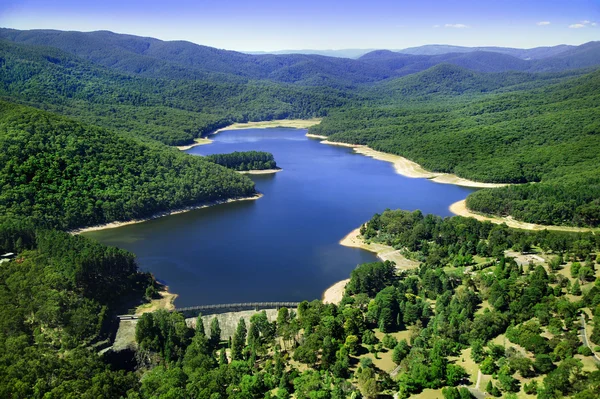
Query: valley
{"type": "Point", "coordinates": [130, 164]}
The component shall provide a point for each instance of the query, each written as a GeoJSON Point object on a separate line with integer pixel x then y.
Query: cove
{"type": "Point", "coordinates": [285, 245]}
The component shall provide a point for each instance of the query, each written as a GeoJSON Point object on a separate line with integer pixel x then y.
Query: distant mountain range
{"type": "Point", "coordinates": [343, 53]}
{"type": "Point", "coordinates": [584, 56]}
{"type": "Point", "coordinates": [184, 60]}
{"type": "Point", "coordinates": [535, 53]}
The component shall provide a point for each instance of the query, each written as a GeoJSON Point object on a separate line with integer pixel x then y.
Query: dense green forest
{"type": "Point", "coordinates": [246, 160]}
{"type": "Point", "coordinates": [547, 135]}
{"type": "Point", "coordinates": [84, 119]}
{"type": "Point", "coordinates": [64, 174]}
{"type": "Point", "coordinates": [517, 323]}
{"type": "Point", "coordinates": [173, 112]}
{"type": "Point", "coordinates": [184, 60]}
{"type": "Point", "coordinates": [466, 304]}
{"type": "Point", "coordinates": [57, 302]}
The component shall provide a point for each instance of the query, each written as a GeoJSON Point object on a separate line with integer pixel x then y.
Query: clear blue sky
{"type": "Point", "coordinates": [320, 24]}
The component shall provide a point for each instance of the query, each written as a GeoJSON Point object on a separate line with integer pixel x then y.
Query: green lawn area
{"type": "Point", "coordinates": [467, 363]}
{"type": "Point", "coordinates": [384, 362]}
{"type": "Point", "coordinates": [483, 306]}
{"type": "Point", "coordinates": [429, 394]}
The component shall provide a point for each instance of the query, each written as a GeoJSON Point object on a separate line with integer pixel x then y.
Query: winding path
{"type": "Point", "coordinates": [586, 342]}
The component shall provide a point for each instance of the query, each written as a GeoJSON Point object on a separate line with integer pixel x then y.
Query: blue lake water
{"type": "Point", "coordinates": [284, 246]}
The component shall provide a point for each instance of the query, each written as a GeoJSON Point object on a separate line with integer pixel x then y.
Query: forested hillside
{"type": "Point", "coordinates": [547, 135]}
{"type": "Point", "coordinates": [171, 111]}
{"type": "Point", "coordinates": [466, 308]}
{"type": "Point", "coordinates": [448, 80]}
{"type": "Point", "coordinates": [84, 119]}
{"type": "Point", "coordinates": [57, 302]}
{"type": "Point", "coordinates": [184, 60]}
{"type": "Point", "coordinates": [64, 174]}
{"type": "Point", "coordinates": [487, 60]}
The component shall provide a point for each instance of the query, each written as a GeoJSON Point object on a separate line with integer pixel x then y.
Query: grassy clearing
{"type": "Point", "coordinates": [166, 301]}
{"type": "Point", "coordinates": [429, 394]}
{"type": "Point", "coordinates": [384, 358]}
{"type": "Point", "coordinates": [484, 305]}
{"type": "Point", "coordinates": [588, 362]}
{"type": "Point", "coordinates": [465, 361]}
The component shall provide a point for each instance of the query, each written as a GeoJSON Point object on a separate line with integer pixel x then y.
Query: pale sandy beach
{"type": "Point", "coordinates": [159, 215]}
{"type": "Point", "coordinates": [460, 208]}
{"type": "Point", "coordinates": [408, 168]}
{"type": "Point", "coordinates": [291, 123]}
{"type": "Point", "coordinates": [383, 252]}
{"type": "Point", "coordinates": [335, 293]}
{"type": "Point", "coordinates": [197, 142]}
{"type": "Point", "coordinates": [259, 172]}
{"type": "Point", "coordinates": [315, 136]}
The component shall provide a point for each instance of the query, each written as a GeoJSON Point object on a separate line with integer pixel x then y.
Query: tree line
{"type": "Point", "coordinates": [244, 160]}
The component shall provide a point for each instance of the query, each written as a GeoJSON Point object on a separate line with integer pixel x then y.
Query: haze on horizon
{"type": "Point", "coordinates": [270, 25]}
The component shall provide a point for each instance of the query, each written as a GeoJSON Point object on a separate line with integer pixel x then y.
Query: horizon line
{"type": "Point", "coordinates": [299, 49]}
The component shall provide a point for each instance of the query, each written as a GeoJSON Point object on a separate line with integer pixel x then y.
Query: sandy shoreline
{"type": "Point", "coordinates": [383, 252]}
{"type": "Point", "coordinates": [408, 168]}
{"type": "Point", "coordinates": [159, 215]}
{"type": "Point", "coordinates": [290, 123]}
{"type": "Point", "coordinates": [460, 208]}
{"type": "Point", "coordinates": [315, 136]}
{"type": "Point", "coordinates": [335, 293]}
{"type": "Point", "coordinates": [166, 302]}
{"type": "Point", "coordinates": [259, 171]}
{"type": "Point", "coordinates": [197, 142]}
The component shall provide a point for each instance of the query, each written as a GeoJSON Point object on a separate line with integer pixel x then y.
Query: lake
{"type": "Point", "coordinates": [284, 246]}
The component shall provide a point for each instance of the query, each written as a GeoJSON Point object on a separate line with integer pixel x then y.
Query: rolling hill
{"type": "Point", "coordinates": [171, 111]}
{"type": "Point", "coordinates": [546, 135]}
{"type": "Point", "coordinates": [522, 121]}
{"type": "Point", "coordinates": [586, 55]}
{"type": "Point", "coordinates": [64, 174]}
{"type": "Point", "coordinates": [155, 58]}
{"type": "Point", "coordinates": [184, 60]}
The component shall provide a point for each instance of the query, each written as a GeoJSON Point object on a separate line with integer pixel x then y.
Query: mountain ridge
{"type": "Point", "coordinates": [185, 60]}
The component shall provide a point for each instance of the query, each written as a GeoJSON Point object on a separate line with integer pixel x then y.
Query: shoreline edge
{"type": "Point", "coordinates": [113, 225]}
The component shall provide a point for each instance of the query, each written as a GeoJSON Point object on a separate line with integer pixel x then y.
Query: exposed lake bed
{"type": "Point", "coordinates": [284, 247]}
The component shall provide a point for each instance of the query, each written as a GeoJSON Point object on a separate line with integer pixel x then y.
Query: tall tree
{"type": "Point", "coordinates": [238, 342]}
{"type": "Point", "coordinates": [215, 332]}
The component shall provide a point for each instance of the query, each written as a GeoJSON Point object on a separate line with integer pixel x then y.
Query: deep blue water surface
{"type": "Point", "coordinates": [284, 246]}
